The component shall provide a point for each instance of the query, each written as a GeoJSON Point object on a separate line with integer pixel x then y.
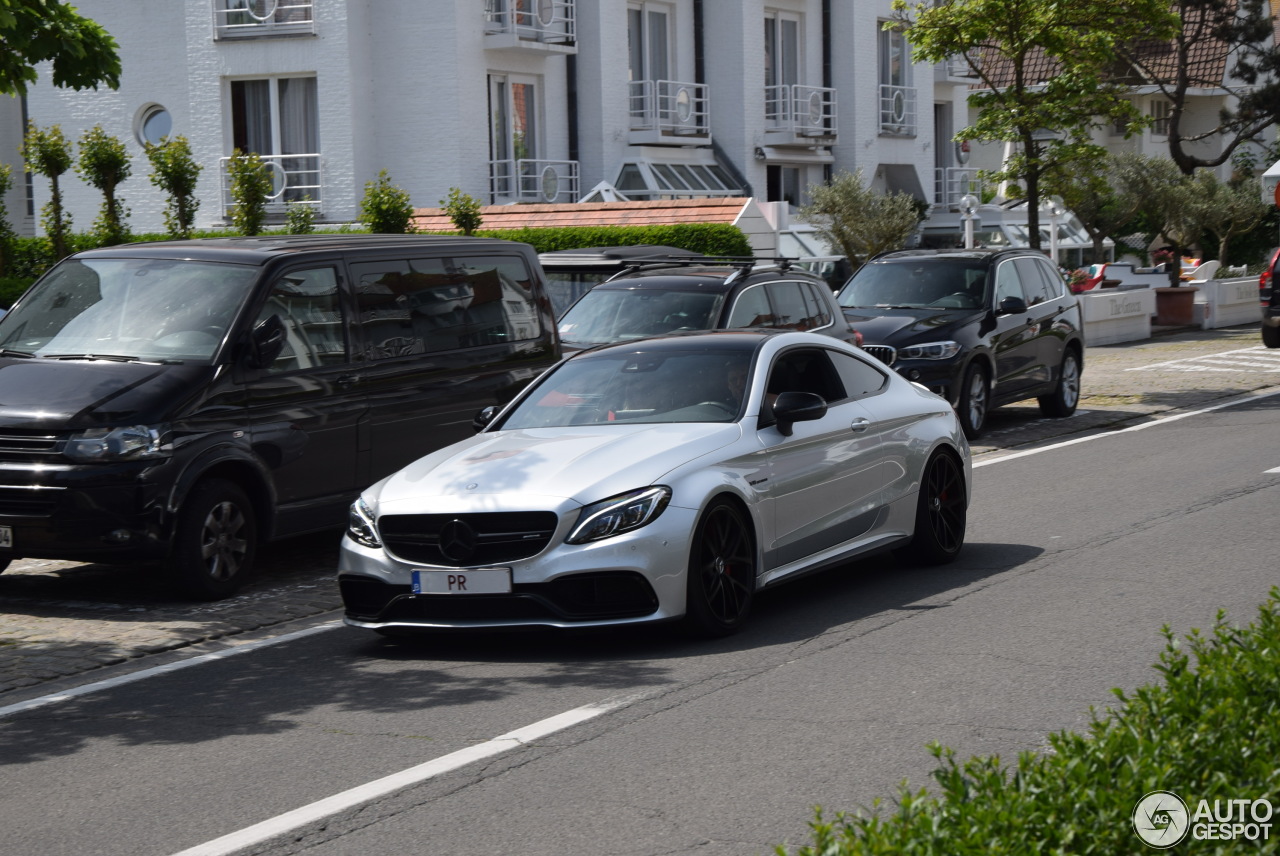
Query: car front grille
{"type": "Point", "coordinates": [23, 501]}
{"type": "Point", "coordinates": [467, 540]}
{"type": "Point", "coordinates": [883, 353]}
{"type": "Point", "coordinates": [30, 447]}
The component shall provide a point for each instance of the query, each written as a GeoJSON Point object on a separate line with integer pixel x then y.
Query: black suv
{"type": "Point", "coordinates": [658, 297]}
{"type": "Point", "coordinates": [981, 328]}
{"type": "Point", "coordinates": [185, 400]}
{"type": "Point", "coordinates": [1269, 295]}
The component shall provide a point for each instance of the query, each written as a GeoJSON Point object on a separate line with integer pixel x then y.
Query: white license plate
{"type": "Point", "coordinates": [6, 536]}
{"type": "Point", "coordinates": [463, 581]}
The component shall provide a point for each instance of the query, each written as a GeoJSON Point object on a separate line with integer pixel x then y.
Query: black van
{"type": "Point", "coordinates": [187, 400]}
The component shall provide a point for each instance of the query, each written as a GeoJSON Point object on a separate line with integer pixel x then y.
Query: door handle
{"type": "Point", "coordinates": [348, 380]}
{"type": "Point", "coordinates": [859, 425]}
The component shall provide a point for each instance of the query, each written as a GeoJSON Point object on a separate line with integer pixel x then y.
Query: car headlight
{"type": "Point", "coordinates": [360, 525]}
{"type": "Point", "coordinates": [929, 351]}
{"type": "Point", "coordinates": [618, 514]}
{"type": "Point", "coordinates": [128, 443]}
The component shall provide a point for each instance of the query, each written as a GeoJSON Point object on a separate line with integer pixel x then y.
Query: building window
{"type": "Point", "coordinates": [897, 95]}
{"type": "Point", "coordinates": [154, 124]}
{"type": "Point", "coordinates": [278, 119]}
{"type": "Point", "coordinates": [649, 41]}
{"type": "Point", "coordinates": [1161, 111]}
{"type": "Point", "coordinates": [781, 50]}
{"type": "Point", "coordinates": [784, 184]}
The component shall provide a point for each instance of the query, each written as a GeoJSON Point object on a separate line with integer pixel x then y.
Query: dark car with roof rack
{"type": "Point", "coordinates": [652, 297]}
{"type": "Point", "coordinates": [183, 401]}
{"type": "Point", "coordinates": [979, 327]}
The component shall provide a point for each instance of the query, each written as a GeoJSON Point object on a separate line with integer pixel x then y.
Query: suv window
{"type": "Point", "coordinates": [1008, 283]}
{"type": "Point", "coordinates": [751, 309]}
{"type": "Point", "coordinates": [789, 306]}
{"type": "Point", "coordinates": [1035, 284]}
{"type": "Point", "coordinates": [307, 302]}
{"type": "Point", "coordinates": [425, 305]}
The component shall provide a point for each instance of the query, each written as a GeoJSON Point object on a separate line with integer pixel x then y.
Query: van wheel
{"type": "Point", "coordinates": [216, 541]}
{"type": "Point", "coordinates": [4, 563]}
{"type": "Point", "coordinates": [974, 401]}
{"type": "Point", "coordinates": [1066, 393]}
{"type": "Point", "coordinates": [1271, 336]}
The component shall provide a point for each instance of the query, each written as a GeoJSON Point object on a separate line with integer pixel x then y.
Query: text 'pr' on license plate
{"type": "Point", "coordinates": [463, 581]}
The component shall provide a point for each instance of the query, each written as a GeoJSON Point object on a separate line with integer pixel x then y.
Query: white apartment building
{"type": "Point", "coordinates": [520, 101]}
{"type": "Point", "coordinates": [509, 100]}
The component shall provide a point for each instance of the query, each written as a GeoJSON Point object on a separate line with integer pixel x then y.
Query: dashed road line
{"type": "Point", "coordinates": [1256, 359]}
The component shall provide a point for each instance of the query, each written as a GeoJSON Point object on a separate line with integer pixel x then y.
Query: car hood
{"type": "Point", "coordinates": [584, 464]}
{"type": "Point", "coordinates": [37, 392]}
{"type": "Point", "coordinates": [905, 326]}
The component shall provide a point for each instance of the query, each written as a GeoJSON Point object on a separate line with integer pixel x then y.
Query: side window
{"type": "Point", "coordinates": [1007, 282]}
{"type": "Point", "coordinates": [426, 305]}
{"type": "Point", "coordinates": [805, 370]}
{"type": "Point", "coordinates": [860, 379]}
{"type": "Point", "coordinates": [789, 306]}
{"type": "Point", "coordinates": [818, 313]}
{"type": "Point", "coordinates": [751, 309]}
{"type": "Point", "coordinates": [307, 302]}
{"type": "Point", "coordinates": [1034, 286]}
{"type": "Point", "coordinates": [1057, 285]}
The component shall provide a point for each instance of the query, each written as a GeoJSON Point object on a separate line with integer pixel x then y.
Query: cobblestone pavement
{"type": "Point", "coordinates": [63, 623]}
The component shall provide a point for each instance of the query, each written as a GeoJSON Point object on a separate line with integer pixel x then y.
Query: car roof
{"type": "Point", "coordinates": [714, 341]}
{"type": "Point", "coordinates": [261, 249]}
{"type": "Point", "coordinates": [708, 278]}
{"type": "Point", "coordinates": [975, 254]}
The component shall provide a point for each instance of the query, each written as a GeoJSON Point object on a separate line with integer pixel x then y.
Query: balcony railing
{"type": "Point", "coordinates": [259, 18]}
{"type": "Point", "coordinates": [897, 111]}
{"type": "Point", "coordinates": [952, 183]}
{"type": "Point", "coordinates": [294, 178]}
{"type": "Point", "coordinates": [670, 107]}
{"type": "Point", "coordinates": [546, 21]}
{"type": "Point", "coordinates": [806, 111]}
{"type": "Point", "coordinates": [526, 180]}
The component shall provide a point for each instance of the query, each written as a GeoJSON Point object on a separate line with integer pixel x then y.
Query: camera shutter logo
{"type": "Point", "coordinates": [1161, 819]}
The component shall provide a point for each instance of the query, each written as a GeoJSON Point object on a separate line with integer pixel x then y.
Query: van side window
{"type": "Point", "coordinates": [425, 305]}
{"type": "Point", "coordinates": [308, 304]}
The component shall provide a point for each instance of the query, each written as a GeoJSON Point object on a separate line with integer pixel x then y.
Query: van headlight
{"type": "Point", "coordinates": [929, 351]}
{"type": "Point", "coordinates": [360, 525]}
{"type": "Point", "coordinates": [128, 443]}
{"type": "Point", "coordinates": [618, 514]}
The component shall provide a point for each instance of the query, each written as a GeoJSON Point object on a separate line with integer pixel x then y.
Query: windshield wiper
{"type": "Point", "coordinates": [118, 358]}
{"type": "Point", "coordinates": [9, 352]}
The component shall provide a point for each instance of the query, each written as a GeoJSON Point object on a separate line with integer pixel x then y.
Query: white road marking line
{"type": "Point", "coordinates": [143, 674]}
{"type": "Point", "coordinates": [299, 817]}
{"type": "Point", "coordinates": [1255, 352]}
{"type": "Point", "coordinates": [1272, 470]}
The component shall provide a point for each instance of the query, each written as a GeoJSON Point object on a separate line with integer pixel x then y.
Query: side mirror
{"type": "Point", "coordinates": [266, 341]}
{"type": "Point", "coordinates": [1013, 306]}
{"type": "Point", "coordinates": [484, 417]}
{"type": "Point", "coordinates": [793, 407]}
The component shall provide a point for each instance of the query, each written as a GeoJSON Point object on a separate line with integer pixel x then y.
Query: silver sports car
{"type": "Point", "coordinates": [661, 479]}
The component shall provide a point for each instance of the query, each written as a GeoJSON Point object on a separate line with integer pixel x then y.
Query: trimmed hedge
{"type": "Point", "coordinates": [1210, 731]}
{"type": "Point", "coordinates": [28, 258]}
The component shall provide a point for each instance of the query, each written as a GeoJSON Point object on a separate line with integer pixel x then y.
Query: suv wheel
{"type": "Point", "coordinates": [1066, 394]}
{"type": "Point", "coordinates": [974, 401]}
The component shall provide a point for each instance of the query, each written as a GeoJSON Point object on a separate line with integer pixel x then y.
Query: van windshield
{"type": "Point", "coordinates": [131, 309]}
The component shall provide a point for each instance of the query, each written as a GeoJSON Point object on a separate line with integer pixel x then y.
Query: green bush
{"type": "Point", "coordinates": [713, 239]}
{"type": "Point", "coordinates": [11, 288]}
{"type": "Point", "coordinates": [251, 186]}
{"type": "Point", "coordinates": [385, 208]}
{"type": "Point", "coordinates": [1210, 731]}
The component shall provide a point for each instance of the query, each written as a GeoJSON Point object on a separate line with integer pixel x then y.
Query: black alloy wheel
{"type": "Point", "coordinates": [974, 401]}
{"type": "Point", "coordinates": [1066, 393]}
{"type": "Point", "coordinates": [941, 512]}
{"type": "Point", "coordinates": [216, 541]}
{"type": "Point", "coordinates": [722, 572]}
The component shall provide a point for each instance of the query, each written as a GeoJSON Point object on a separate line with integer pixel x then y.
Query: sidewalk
{"type": "Point", "coordinates": [62, 622]}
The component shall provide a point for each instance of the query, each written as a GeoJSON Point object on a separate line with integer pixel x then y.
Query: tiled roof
{"type": "Point", "coordinates": [648, 213]}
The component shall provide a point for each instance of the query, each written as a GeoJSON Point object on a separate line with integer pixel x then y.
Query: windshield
{"type": "Point", "coordinates": [918, 284]}
{"type": "Point", "coordinates": [631, 387]}
{"type": "Point", "coordinates": [615, 315]}
{"type": "Point", "coordinates": [137, 309]}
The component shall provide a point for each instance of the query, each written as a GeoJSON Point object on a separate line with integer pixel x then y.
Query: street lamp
{"type": "Point", "coordinates": [1051, 209]}
{"type": "Point", "coordinates": [969, 214]}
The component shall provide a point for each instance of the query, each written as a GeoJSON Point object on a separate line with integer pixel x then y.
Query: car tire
{"type": "Point", "coordinates": [1271, 336]}
{"type": "Point", "coordinates": [4, 564]}
{"type": "Point", "coordinates": [974, 400]}
{"type": "Point", "coordinates": [721, 578]}
{"type": "Point", "coordinates": [1066, 393]}
{"type": "Point", "coordinates": [215, 542]}
{"type": "Point", "coordinates": [941, 513]}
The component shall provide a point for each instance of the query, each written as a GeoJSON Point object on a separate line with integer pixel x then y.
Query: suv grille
{"type": "Point", "coordinates": [27, 447]}
{"type": "Point", "coordinates": [470, 540]}
{"type": "Point", "coordinates": [883, 353]}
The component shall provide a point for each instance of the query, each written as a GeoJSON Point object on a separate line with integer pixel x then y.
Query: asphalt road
{"type": "Point", "coordinates": [1079, 550]}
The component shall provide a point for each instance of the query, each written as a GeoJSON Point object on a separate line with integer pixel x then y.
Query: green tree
{"type": "Point", "coordinates": [385, 208]}
{"type": "Point", "coordinates": [463, 209]}
{"type": "Point", "coordinates": [1183, 67]}
{"type": "Point", "coordinates": [174, 171]}
{"type": "Point", "coordinates": [251, 187]}
{"type": "Point", "coordinates": [1231, 209]}
{"type": "Point", "coordinates": [33, 31]}
{"type": "Point", "coordinates": [104, 163]}
{"type": "Point", "coordinates": [1044, 67]}
{"type": "Point", "coordinates": [1100, 195]}
{"type": "Point", "coordinates": [860, 221]}
{"type": "Point", "coordinates": [6, 229]}
{"type": "Point", "coordinates": [47, 152]}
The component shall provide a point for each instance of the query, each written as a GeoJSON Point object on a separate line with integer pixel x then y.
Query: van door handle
{"type": "Point", "coordinates": [859, 425]}
{"type": "Point", "coordinates": [348, 380]}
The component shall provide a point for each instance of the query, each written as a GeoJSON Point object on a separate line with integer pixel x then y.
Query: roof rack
{"type": "Point", "coordinates": [743, 264]}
